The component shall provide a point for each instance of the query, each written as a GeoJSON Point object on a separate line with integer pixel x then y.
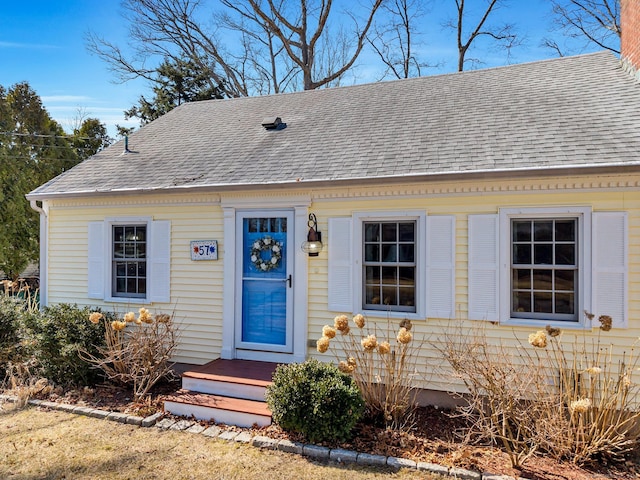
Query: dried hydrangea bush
{"type": "Point", "coordinates": [138, 349]}
{"type": "Point", "coordinates": [383, 363]}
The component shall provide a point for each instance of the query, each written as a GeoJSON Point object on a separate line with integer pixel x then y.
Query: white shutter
{"type": "Point", "coordinates": [483, 267]}
{"type": "Point", "coordinates": [96, 259]}
{"type": "Point", "coordinates": [159, 273]}
{"type": "Point", "coordinates": [610, 285]}
{"type": "Point", "coordinates": [441, 266]}
{"type": "Point", "coordinates": [340, 265]}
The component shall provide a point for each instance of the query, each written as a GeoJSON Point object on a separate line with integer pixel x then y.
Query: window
{"type": "Point", "coordinates": [389, 265]}
{"type": "Point", "coordinates": [544, 268]}
{"type": "Point", "coordinates": [393, 264]}
{"type": "Point", "coordinates": [129, 261]}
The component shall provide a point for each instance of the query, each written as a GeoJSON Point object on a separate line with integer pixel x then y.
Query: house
{"type": "Point", "coordinates": [507, 196]}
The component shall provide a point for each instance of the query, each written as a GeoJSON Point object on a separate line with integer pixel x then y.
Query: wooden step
{"type": "Point", "coordinates": [232, 378]}
{"type": "Point", "coordinates": [221, 409]}
{"type": "Point", "coordinates": [235, 371]}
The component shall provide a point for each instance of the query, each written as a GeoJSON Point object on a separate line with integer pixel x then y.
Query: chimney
{"type": "Point", "coordinates": [630, 36]}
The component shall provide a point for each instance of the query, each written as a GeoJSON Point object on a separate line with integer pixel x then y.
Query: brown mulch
{"type": "Point", "coordinates": [435, 438]}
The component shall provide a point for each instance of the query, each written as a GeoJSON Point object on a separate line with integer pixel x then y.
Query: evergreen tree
{"type": "Point", "coordinates": [175, 83]}
{"type": "Point", "coordinates": [33, 149]}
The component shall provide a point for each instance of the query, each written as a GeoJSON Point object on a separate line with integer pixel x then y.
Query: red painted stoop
{"type": "Point", "coordinates": [226, 391]}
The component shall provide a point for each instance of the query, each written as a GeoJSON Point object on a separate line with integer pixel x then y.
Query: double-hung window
{"type": "Point", "coordinates": [544, 268]}
{"type": "Point", "coordinates": [545, 265]}
{"type": "Point", "coordinates": [389, 265]}
{"type": "Point", "coordinates": [398, 264]}
{"type": "Point", "coordinates": [533, 266]}
{"type": "Point", "coordinates": [129, 261]}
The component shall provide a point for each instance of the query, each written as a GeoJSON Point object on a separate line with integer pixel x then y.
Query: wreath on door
{"type": "Point", "coordinates": [263, 245]}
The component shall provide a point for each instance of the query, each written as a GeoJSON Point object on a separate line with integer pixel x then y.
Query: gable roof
{"type": "Point", "coordinates": [567, 113]}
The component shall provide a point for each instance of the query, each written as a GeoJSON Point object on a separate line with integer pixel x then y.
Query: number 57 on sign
{"type": "Point", "coordinates": [204, 250]}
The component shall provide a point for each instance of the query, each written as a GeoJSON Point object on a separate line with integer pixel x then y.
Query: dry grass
{"type": "Point", "coordinates": [54, 445]}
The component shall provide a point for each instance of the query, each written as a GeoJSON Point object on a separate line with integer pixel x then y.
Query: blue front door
{"type": "Point", "coordinates": [266, 287]}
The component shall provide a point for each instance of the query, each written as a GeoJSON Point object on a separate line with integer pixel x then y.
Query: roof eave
{"type": "Point", "coordinates": [546, 171]}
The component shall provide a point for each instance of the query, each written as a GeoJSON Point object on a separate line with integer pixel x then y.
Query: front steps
{"type": "Point", "coordinates": [225, 391]}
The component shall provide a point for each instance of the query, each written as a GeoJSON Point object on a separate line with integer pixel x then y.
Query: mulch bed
{"type": "Point", "coordinates": [435, 437]}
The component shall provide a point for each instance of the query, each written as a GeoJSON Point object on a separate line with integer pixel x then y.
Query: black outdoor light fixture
{"type": "Point", "coordinates": [313, 245]}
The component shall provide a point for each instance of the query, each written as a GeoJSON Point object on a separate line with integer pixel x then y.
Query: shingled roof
{"type": "Point", "coordinates": [569, 113]}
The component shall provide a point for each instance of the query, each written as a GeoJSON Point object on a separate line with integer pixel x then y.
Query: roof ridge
{"type": "Point", "coordinates": [410, 79]}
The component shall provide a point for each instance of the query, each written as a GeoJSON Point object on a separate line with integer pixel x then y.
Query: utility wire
{"type": "Point", "coordinates": [43, 147]}
{"type": "Point", "coordinates": [40, 135]}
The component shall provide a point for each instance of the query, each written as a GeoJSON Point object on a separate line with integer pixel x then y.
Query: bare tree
{"type": "Point", "coordinates": [265, 68]}
{"type": "Point", "coordinates": [168, 29]}
{"type": "Point", "coordinates": [503, 34]}
{"type": "Point", "coordinates": [300, 40]}
{"type": "Point", "coordinates": [595, 21]}
{"type": "Point", "coordinates": [277, 42]}
{"type": "Point", "coordinates": [394, 40]}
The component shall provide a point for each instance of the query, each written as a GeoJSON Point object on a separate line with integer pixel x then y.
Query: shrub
{"type": "Point", "coordinates": [383, 363]}
{"type": "Point", "coordinates": [54, 338]}
{"type": "Point", "coordinates": [315, 399]}
{"type": "Point", "coordinates": [10, 314]}
{"type": "Point", "coordinates": [136, 351]}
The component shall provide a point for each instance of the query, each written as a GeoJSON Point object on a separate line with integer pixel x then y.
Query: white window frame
{"type": "Point", "coordinates": [359, 218]}
{"type": "Point", "coordinates": [125, 221]}
{"type": "Point", "coordinates": [583, 237]}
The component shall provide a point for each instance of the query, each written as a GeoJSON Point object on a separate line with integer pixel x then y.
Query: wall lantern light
{"type": "Point", "coordinates": [313, 245]}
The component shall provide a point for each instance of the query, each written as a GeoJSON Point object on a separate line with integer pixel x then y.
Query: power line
{"type": "Point", "coordinates": [11, 157]}
{"type": "Point", "coordinates": [40, 135]}
{"type": "Point", "coordinates": [44, 147]}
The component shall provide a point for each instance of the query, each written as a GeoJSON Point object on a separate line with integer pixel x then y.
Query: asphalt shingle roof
{"type": "Point", "coordinates": [567, 112]}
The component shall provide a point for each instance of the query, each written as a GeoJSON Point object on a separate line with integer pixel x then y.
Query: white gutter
{"type": "Point", "coordinates": [44, 247]}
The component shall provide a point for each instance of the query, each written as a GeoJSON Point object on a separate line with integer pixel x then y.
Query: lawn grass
{"type": "Point", "coordinates": [58, 445]}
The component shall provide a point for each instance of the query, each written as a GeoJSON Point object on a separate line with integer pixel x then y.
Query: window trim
{"type": "Point", "coordinates": [583, 238]}
{"type": "Point", "coordinates": [109, 223]}
{"type": "Point", "coordinates": [359, 218]}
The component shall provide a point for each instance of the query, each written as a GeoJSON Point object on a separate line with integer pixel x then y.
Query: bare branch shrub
{"type": "Point", "coordinates": [572, 400]}
{"type": "Point", "coordinates": [22, 385]}
{"type": "Point", "coordinates": [138, 350]}
{"type": "Point", "coordinates": [383, 363]}
{"type": "Point", "coordinates": [497, 406]}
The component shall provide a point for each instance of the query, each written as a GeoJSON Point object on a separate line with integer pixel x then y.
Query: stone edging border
{"type": "Point", "coordinates": [338, 455]}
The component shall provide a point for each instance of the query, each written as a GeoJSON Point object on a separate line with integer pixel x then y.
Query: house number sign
{"type": "Point", "coordinates": [204, 250]}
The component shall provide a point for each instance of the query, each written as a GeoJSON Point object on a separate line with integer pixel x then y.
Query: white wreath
{"type": "Point", "coordinates": [259, 246]}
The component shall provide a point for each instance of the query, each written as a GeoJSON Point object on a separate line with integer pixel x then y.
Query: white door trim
{"type": "Point", "coordinates": [231, 291]}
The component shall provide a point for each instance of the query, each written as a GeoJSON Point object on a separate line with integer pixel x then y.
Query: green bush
{"type": "Point", "coordinates": [10, 315]}
{"type": "Point", "coordinates": [54, 338]}
{"type": "Point", "coordinates": [315, 399]}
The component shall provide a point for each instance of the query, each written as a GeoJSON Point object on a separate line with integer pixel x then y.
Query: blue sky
{"type": "Point", "coordinates": [42, 42]}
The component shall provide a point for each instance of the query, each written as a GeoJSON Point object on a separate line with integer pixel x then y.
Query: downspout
{"type": "Point", "coordinates": [44, 247]}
